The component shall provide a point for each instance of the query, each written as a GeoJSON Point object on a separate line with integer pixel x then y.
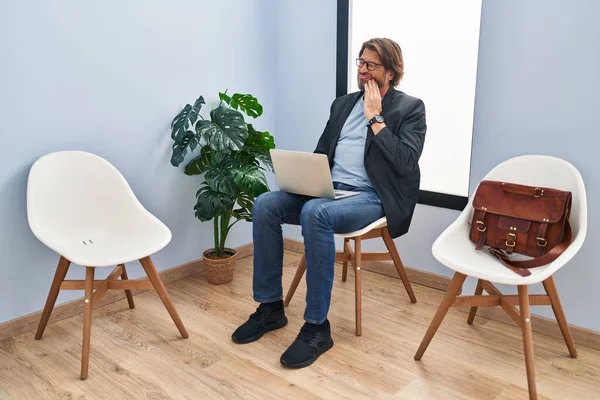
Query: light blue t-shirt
{"type": "Point", "coordinates": [348, 162]}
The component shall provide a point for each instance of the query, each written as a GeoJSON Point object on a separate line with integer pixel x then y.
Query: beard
{"type": "Point", "coordinates": [361, 84]}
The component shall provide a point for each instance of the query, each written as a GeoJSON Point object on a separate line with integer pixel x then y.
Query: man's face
{"type": "Point", "coordinates": [379, 74]}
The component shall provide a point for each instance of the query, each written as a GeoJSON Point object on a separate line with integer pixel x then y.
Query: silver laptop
{"type": "Point", "coordinates": [305, 173]}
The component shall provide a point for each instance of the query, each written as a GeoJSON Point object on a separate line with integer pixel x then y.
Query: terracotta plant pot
{"type": "Point", "coordinates": [219, 270]}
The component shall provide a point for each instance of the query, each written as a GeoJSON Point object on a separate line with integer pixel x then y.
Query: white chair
{"type": "Point", "coordinates": [374, 230]}
{"type": "Point", "coordinates": [80, 206]}
{"type": "Point", "coordinates": [454, 249]}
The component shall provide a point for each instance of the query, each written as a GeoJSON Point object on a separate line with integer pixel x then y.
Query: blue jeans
{"type": "Point", "coordinates": [320, 218]}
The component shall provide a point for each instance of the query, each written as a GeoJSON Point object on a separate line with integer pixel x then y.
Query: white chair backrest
{"type": "Point", "coordinates": [76, 191]}
{"type": "Point", "coordinates": [546, 171]}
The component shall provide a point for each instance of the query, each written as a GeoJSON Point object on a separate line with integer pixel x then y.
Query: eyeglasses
{"type": "Point", "coordinates": [370, 65]}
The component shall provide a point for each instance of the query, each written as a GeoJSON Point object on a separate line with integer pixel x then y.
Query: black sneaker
{"type": "Point", "coordinates": [267, 317]}
{"type": "Point", "coordinates": [312, 341]}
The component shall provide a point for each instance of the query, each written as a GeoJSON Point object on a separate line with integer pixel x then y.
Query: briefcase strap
{"type": "Point", "coordinates": [520, 267]}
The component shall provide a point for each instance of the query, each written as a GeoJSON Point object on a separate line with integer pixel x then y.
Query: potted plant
{"type": "Point", "coordinates": [233, 156]}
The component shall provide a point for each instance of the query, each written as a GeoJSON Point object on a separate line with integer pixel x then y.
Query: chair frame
{"type": "Point", "coordinates": [356, 259]}
{"type": "Point", "coordinates": [521, 317]}
{"type": "Point", "coordinates": [96, 289]}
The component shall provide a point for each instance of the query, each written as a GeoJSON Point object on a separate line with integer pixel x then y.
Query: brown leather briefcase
{"type": "Point", "coordinates": [512, 218]}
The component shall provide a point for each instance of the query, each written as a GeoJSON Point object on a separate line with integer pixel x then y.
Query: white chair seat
{"type": "Point", "coordinates": [106, 247]}
{"type": "Point", "coordinates": [80, 206]}
{"type": "Point", "coordinates": [454, 249]}
{"type": "Point", "coordinates": [380, 223]}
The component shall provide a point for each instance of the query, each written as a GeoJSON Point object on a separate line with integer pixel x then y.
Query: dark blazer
{"type": "Point", "coordinates": [391, 157]}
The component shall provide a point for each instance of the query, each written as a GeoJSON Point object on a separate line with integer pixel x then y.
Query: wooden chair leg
{"type": "Point", "coordinates": [345, 263]}
{"type": "Point", "coordinates": [100, 292]}
{"type": "Point", "coordinates": [550, 288]}
{"type": "Point", "coordinates": [59, 277]}
{"type": "Point", "coordinates": [160, 288]}
{"type": "Point", "coordinates": [356, 263]}
{"type": "Point", "coordinates": [473, 311]}
{"type": "Point", "coordinates": [297, 278]}
{"type": "Point", "coordinates": [527, 339]}
{"type": "Point", "coordinates": [453, 288]}
{"type": "Point", "coordinates": [127, 291]}
{"type": "Point", "coordinates": [87, 321]}
{"type": "Point", "coordinates": [389, 243]}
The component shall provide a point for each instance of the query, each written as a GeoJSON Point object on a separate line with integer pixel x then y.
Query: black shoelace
{"type": "Point", "coordinates": [309, 334]}
{"type": "Point", "coordinates": [260, 316]}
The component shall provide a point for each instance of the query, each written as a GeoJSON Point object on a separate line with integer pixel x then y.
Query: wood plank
{"type": "Point", "coordinates": [478, 301]}
{"type": "Point", "coordinates": [386, 268]}
{"type": "Point", "coordinates": [69, 284]}
{"type": "Point", "coordinates": [139, 353]}
{"type": "Point", "coordinates": [422, 389]}
{"type": "Point", "coordinates": [116, 274]}
{"type": "Point", "coordinates": [534, 300]}
{"type": "Point", "coordinates": [71, 308]}
{"type": "Point", "coordinates": [343, 257]}
{"type": "Point", "coordinates": [546, 326]}
{"type": "Point", "coordinates": [133, 284]}
{"type": "Point", "coordinates": [29, 322]}
{"type": "Point", "coordinates": [582, 336]}
{"type": "Point", "coordinates": [379, 256]}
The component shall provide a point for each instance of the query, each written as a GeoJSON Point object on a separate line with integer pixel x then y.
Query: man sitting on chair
{"type": "Point", "coordinates": [373, 139]}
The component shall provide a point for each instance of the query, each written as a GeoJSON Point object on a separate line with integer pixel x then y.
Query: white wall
{"type": "Point", "coordinates": [108, 77]}
{"type": "Point", "coordinates": [537, 90]}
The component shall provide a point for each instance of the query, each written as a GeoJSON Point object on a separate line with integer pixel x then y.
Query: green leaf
{"type": "Point", "coordinates": [198, 104]}
{"type": "Point", "coordinates": [250, 179]}
{"type": "Point", "coordinates": [224, 97]}
{"type": "Point", "coordinates": [261, 140]}
{"type": "Point", "coordinates": [181, 145]}
{"type": "Point", "coordinates": [219, 178]}
{"type": "Point", "coordinates": [185, 120]}
{"type": "Point", "coordinates": [258, 146]}
{"type": "Point", "coordinates": [180, 124]}
{"type": "Point", "coordinates": [247, 103]}
{"type": "Point", "coordinates": [183, 131]}
{"type": "Point", "coordinates": [226, 131]}
{"type": "Point", "coordinates": [211, 204]}
{"type": "Point", "coordinates": [242, 213]}
{"type": "Point", "coordinates": [245, 201]}
{"type": "Point", "coordinates": [198, 164]}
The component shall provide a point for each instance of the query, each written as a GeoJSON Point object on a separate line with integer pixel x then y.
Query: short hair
{"type": "Point", "coordinates": [390, 54]}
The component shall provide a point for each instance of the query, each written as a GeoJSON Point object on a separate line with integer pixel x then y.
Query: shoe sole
{"type": "Point", "coordinates": [306, 363]}
{"type": "Point", "coordinates": [277, 325]}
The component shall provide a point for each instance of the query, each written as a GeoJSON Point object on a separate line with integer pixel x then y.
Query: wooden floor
{"type": "Point", "coordinates": [138, 354]}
